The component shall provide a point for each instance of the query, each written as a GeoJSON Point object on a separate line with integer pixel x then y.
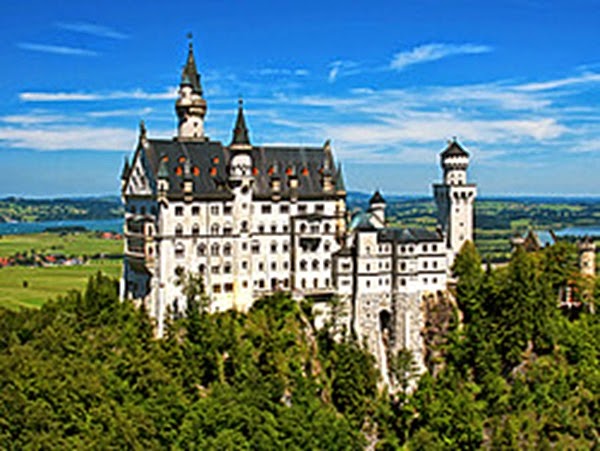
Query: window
{"type": "Point", "coordinates": [214, 209]}
{"type": "Point", "coordinates": [261, 283]}
{"type": "Point", "coordinates": [434, 280]}
{"type": "Point", "coordinates": [227, 210]}
{"type": "Point", "coordinates": [285, 228]}
{"type": "Point", "coordinates": [227, 230]}
{"type": "Point", "coordinates": [215, 269]}
{"type": "Point", "coordinates": [403, 249]}
{"type": "Point", "coordinates": [132, 209]}
{"type": "Point", "coordinates": [256, 248]}
{"type": "Point", "coordinates": [302, 228]}
{"type": "Point", "coordinates": [320, 208]}
{"type": "Point", "coordinates": [403, 266]}
{"type": "Point", "coordinates": [179, 250]}
{"type": "Point", "coordinates": [227, 268]}
{"type": "Point", "coordinates": [273, 266]}
{"type": "Point", "coordinates": [201, 250]}
{"type": "Point", "coordinates": [327, 227]}
{"type": "Point", "coordinates": [244, 264]}
{"type": "Point", "coordinates": [214, 249]}
{"type": "Point", "coordinates": [261, 266]}
{"type": "Point", "coordinates": [368, 283]}
{"type": "Point", "coordinates": [265, 209]}
{"type": "Point", "coordinates": [178, 230]}
{"type": "Point", "coordinates": [286, 265]}
{"type": "Point", "coordinates": [143, 211]}
{"type": "Point", "coordinates": [273, 228]}
{"type": "Point", "coordinates": [326, 264]}
{"type": "Point", "coordinates": [214, 229]}
{"type": "Point", "coordinates": [303, 265]}
{"type": "Point", "coordinates": [434, 247]}
{"type": "Point", "coordinates": [315, 283]}
{"type": "Point", "coordinates": [284, 209]}
{"type": "Point", "coordinates": [286, 247]}
{"type": "Point", "coordinates": [368, 267]}
{"type": "Point", "coordinates": [216, 288]}
{"type": "Point", "coordinates": [195, 230]}
{"type": "Point", "coordinates": [178, 211]}
{"type": "Point", "coordinates": [201, 268]}
{"type": "Point", "coordinates": [228, 287]}
{"type": "Point", "coordinates": [227, 249]}
{"type": "Point", "coordinates": [273, 247]}
{"type": "Point", "coordinates": [195, 210]}
{"type": "Point", "coordinates": [314, 228]}
{"type": "Point", "coordinates": [315, 265]}
{"type": "Point", "coordinates": [403, 282]}
{"type": "Point", "coordinates": [244, 246]}
{"type": "Point", "coordinates": [302, 208]}
{"type": "Point", "coordinates": [411, 249]}
{"type": "Point", "coordinates": [261, 228]}
{"type": "Point", "coordinates": [244, 226]}
{"type": "Point", "coordinates": [425, 265]}
{"type": "Point", "coordinates": [303, 283]}
{"type": "Point", "coordinates": [424, 248]}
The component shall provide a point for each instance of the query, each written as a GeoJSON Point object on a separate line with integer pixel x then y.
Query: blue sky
{"type": "Point", "coordinates": [518, 82]}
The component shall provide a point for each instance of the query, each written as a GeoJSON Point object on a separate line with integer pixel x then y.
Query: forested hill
{"type": "Point", "coordinates": [15, 209]}
{"type": "Point", "coordinates": [84, 372]}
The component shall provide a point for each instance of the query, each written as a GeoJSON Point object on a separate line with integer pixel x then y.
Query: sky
{"type": "Point", "coordinates": [388, 82]}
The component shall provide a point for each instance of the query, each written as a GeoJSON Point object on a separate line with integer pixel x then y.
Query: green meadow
{"type": "Point", "coordinates": [43, 283]}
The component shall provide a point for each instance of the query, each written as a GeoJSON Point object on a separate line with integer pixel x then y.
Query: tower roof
{"type": "Point", "coordinates": [377, 198]}
{"type": "Point", "coordinates": [454, 149]}
{"type": "Point", "coordinates": [240, 131]}
{"type": "Point", "coordinates": [189, 75]}
{"type": "Point", "coordinates": [126, 169]}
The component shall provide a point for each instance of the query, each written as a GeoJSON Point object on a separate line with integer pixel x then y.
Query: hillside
{"type": "Point", "coordinates": [14, 209]}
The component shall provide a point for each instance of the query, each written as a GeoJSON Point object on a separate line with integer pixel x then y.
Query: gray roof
{"type": "Point", "coordinates": [410, 235]}
{"type": "Point", "coordinates": [454, 149]}
{"type": "Point", "coordinates": [209, 160]}
{"type": "Point", "coordinates": [240, 131]}
{"type": "Point", "coordinates": [377, 198]}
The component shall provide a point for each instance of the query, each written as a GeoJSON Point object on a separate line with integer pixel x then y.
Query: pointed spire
{"type": "Point", "coordinates": [240, 131]}
{"type": "Point", "coordinates": [189, 75]}
{"type": "Point", "coordinates": [339, 180]}
{"type": "Point", "coordinates": [126, 170]}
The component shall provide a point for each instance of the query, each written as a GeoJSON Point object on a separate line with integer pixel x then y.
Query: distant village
{"type": "Point", "coordinates": [34, 258]}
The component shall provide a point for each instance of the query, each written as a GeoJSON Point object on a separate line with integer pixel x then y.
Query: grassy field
{"type": "Point", "coordinates": [46, 283]}
{"type": "Point", "coordinates": [76, 244]}
{"type": "Point", "coordinates": [49, 282]}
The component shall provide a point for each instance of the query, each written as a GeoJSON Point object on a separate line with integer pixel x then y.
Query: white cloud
{"type": "Point", "coordinates": [137, 94]}
{"type": "Point", "coordinates": [92, 29]}
{"type": "Point", "coordinates": [434, 51]}
{"type": "Point", "coordinates": [120, 113]}
{"type": "Point", "coordinates": [69, 138]}
{"type": "Point", "coordinates": [348, 67]}
{"type": "Point", "coordinates": [559, 83]}
{"type": "Point", "coordinates": [57, 49]}
{"type": "Point", "coordinates": [279, 71]}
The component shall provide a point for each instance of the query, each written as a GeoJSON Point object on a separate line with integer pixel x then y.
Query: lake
{"type": "Point", "coordinates": [579, 231]}
{"type": "Point", "coordinates": [103, 225]}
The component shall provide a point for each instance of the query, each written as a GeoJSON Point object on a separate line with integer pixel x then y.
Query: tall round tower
{"type": "Point", "coordinates": [455, 199]}
{"type": "Point", "coordinates": [190, 105]}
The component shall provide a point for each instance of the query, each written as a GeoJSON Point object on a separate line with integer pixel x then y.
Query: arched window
{"type": "Point", "coordinates": [327, 227]}
{"type": "Point", "coordinates": [179, 250]}
{"type": "Point", "coordinates": [273, 247]}
{"type": "Point", "coordinates": [302, 228]}
{"type": "Point", "coordinates": [195, 230]}
{"type": "Point", "coordinates": [326, 264]}
{"type": "Point", "coordinates": [315, 265]}
{"type": "Point", "coordinates": [178, 230]}
{"type": "Point", "coordinates": [303, 283]}
{"type": "Point", "coordinates": [214, 249]}
{"type": "Point", "coordinates": [214, 229]}
{"type": "Point", "coordinates": [326, 246]}
{"type": "Point", "coordinates": [303, 265]}
{"type": "Point", "coordinates": [244, 226]}
{"type": "Point", "coordinates": [201, 250]}
{"type": "Point", "coordinates": [201, 268]}
{"type": "Point", "coordinates": [315, 283]}
{"type": "Point", "coordinates": [227, 249]}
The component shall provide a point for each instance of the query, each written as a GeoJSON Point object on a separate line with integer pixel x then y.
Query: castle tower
{"type": "Point", "coordinates": [455, 199]}
{"type": "Point", "coordinates": [377, 208]}
{"type": "Point", "coordinates": [587, 257]}
{"type": "Point", "coordinates": [190, 105]}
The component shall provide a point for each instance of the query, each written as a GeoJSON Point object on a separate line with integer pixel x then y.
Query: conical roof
{"type": "Point", "coordinates": [377, 198]}
{"type": "Point", "coordinates": [454, 149]}
{"type": "Point", "coordinates": [126, 169]}
{"type": "Point", "coordinates": [339, 180]}
{"type": "Point", "coordinates": [189, 75]}
{"type": "Point", "coordinates": [240, 131]}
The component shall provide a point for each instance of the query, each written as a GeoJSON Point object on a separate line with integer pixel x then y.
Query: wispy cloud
{"type": "Point", "coordinates": [560, 83]}
{"type": "Point", "coordinates": [433, 52]}
{"type": "Point", "coordinates": [349, 68]}
{"type": "Point", "coordinates": [280, 71]}
{"type": "Point", "coordinates": [57, 49]}
{"type": "Point", "coordinates": [136, 94]}
{"type": "Point", "coordinates": [92, 29]}
{"type": "Point", "coordinates": [120, 113]}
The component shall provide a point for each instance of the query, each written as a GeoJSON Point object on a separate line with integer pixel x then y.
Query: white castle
{"type": "Point", "coordinates": [254, 219]}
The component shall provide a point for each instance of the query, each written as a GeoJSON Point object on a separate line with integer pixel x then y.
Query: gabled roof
{"type": "Point", "coordinates": [208, 161]}
{"type": "Point", "coordinates": [454, 149]}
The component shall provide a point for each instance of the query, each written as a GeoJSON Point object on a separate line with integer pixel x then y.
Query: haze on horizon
{"type": "Point", "coordinates": [516, 82]}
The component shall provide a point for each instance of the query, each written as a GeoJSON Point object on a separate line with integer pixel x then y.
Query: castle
{"type": "Point", "coordinates": [255, 219]}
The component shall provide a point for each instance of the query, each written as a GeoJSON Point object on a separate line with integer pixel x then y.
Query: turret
{"type": "Point", "coordinates": [377, 208]}
{"type": "Point", "coordinates": [455, 161]}
{"type": "Point", "coordinates": [587, 257]}
{"type": "Point", "coordinates": [327, 172]}
{"type": "Point", "coordinates": [190, 105]}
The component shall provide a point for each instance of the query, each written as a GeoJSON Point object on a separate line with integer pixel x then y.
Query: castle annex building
{"type": "Point", "coordinates": [255, 219]}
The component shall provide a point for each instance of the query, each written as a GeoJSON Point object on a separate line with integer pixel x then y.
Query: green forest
{"type": "Point", "coordinates": [512, 371]}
